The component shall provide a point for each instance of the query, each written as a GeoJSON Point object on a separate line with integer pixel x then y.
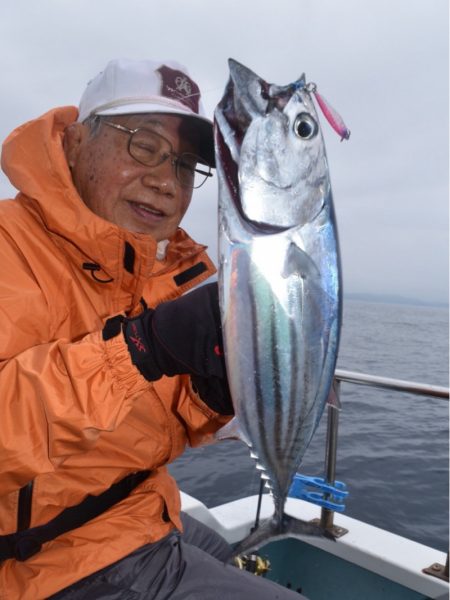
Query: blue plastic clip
{"type": "Point", "coordinates": [329, 496]}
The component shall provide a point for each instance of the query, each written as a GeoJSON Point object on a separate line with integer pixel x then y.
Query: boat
{"type": "Point", "coordinates": [365, 562]}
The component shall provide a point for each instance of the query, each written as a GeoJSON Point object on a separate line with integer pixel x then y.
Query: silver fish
{"type": "Point", "coordinates": [279, 277]}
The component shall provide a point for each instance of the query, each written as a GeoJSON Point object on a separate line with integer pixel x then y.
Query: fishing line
{"type": "Point", "coordinates": [258, 508]}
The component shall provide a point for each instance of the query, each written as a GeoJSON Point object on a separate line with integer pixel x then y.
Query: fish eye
{"type": "Point", "coordinates": [305, 127]}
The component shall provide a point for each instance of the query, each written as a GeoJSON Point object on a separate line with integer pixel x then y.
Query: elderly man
{"type": "Point", "coordinates": [108, 369]}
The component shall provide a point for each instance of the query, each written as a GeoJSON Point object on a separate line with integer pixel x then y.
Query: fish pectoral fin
{"type": "Point", "coordinates": [333, 398]}
{"type": "Point", "coordinates": [297, 262]}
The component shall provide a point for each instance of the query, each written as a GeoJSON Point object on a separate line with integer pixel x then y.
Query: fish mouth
{"type": "Point", "coordinates": [233, 116]}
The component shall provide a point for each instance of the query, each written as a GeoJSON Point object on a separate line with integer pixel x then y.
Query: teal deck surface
{"type": "Point", "coordinates": [322, 576]}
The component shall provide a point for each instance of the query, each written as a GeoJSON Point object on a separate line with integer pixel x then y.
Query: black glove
{"type": "Point", "coordinates": [183, 336]}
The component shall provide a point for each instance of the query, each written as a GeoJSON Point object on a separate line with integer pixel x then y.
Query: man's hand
{"type": "Point", "coordinates": [183, 336]}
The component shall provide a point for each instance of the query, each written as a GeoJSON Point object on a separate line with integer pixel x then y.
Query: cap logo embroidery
{"type": "Point", "coordinates": [183, 85]}
{"type": "Point", "coordinates": [178, 86]}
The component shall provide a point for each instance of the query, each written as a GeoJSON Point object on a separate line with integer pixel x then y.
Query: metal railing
{"type": "Point", "coordinates": [399, 385]}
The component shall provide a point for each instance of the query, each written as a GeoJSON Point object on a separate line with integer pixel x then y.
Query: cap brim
{"type": "Point", "coordinates": [206, 131]}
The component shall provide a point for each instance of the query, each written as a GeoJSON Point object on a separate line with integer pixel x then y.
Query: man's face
{"type": "Point", "coordinates": [119, 189]}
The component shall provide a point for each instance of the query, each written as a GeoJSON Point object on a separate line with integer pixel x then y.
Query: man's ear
{"type": "Point", "coordinates": [73, 139]}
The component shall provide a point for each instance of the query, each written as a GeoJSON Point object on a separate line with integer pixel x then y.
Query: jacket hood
{"type": "Point", "coordinates": [34, 161]}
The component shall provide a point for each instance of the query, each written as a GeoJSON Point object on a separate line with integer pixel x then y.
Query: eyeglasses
{"type": "Point", "coordinates": [152, 149]}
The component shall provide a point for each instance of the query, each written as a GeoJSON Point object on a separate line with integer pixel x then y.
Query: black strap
{"type": "Point", "coordinates": [24, 506]}
{"type": "Point", "coordinates": [24, 544]}
{"type": "Point", "coordinates": [190, 273]}
{"type": "Point", "coordinates": [128, 257]}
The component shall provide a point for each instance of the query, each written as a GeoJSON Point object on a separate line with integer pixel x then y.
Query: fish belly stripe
{"type": "Point", "coordinates": [275, 342]}
{"type": "Point", "coordinates": [293, 416]}
{"type": "Point", "coordinates": [264, 455]}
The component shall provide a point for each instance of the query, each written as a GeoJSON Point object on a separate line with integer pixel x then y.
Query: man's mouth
{"type": "Point", "coordinates": [146, 211]}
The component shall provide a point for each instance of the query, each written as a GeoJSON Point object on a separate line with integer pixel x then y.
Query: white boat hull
{"type": "Point", "coordinates": [379, 552]}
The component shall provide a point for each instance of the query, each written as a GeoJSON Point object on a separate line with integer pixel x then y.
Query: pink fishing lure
{"type": "Point", "coordinates": [333, 118]}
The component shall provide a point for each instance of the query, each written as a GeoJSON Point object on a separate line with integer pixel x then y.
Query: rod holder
{"type": "Point", "coordinates": [327, 515]}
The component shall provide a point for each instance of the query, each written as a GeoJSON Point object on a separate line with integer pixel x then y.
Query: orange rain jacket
{"type": "Point", "coordinates": [75, 415]}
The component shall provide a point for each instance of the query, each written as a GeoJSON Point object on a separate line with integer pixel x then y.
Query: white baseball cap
{"type": "Point", "coordinates": [127, 87]}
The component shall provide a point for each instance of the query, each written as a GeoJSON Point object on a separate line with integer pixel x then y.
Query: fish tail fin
{"type": "Point", "coordinates": [297, 527]}
{"type": "Point", "coordinates": [271, 530]}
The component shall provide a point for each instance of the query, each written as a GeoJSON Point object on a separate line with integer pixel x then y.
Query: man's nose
{"type": "Point", "coordinates": [162, 177]}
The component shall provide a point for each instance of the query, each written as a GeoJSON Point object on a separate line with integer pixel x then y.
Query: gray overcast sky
{"type": "Point", "coordinates": [383, 64]}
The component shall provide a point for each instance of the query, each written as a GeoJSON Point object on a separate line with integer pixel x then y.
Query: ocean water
{"type": "Point", "coordinates": [393, 451]}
